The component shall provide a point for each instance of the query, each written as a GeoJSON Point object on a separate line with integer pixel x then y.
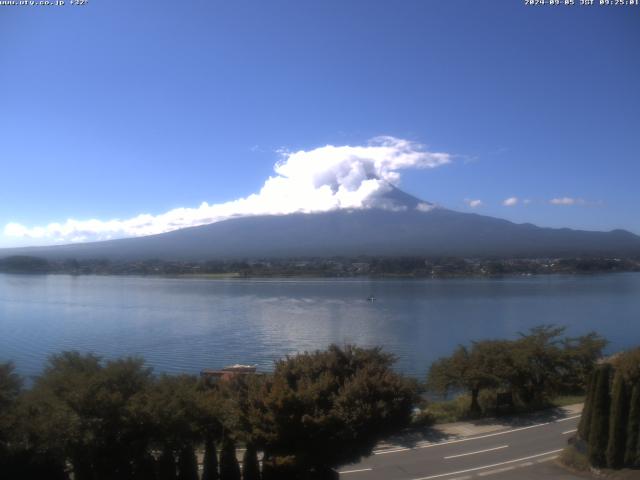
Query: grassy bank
{"type": "Point", "coordinates": [456, 410]}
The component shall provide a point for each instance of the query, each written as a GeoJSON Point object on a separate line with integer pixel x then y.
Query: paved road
{"type": "Point", "coordinates": [524, 452]}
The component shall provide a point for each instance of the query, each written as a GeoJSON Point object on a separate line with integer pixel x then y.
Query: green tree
{"type": "Point", "coordinates": [599, 430]}
{"type": "Point", "coordinates": [81, 408]}
{"type": "Point", "coordinates": [24, 264]}
{"type": "Point", "coordinates": [628, 363]}
{"type": "Point", "coordinates": [580, 356]}
{"type": "Point", "coordinates": [538, 364]}
{"type": "Point", "coordinates": [10, 387]}
{"type": "Point", "coordinates": [326, 408]}
{"type": "Point", "coordinates": [268, 471]}
{"type": "Point", "coordinates": [282, 468]}
{"type": "Point", "coordinates": [535, 367]}
{"type": "Point", "coordinates": [29, 463]}
{"type": "Point", "coordinates": [250, 465]}
{"type": "Point", "coordinates": [486, 365]}
{"type": "Point", "coordinates": [170, 410]}
{"type": "Point", "coordinates": [229, 467]}
{"type": "Point", "coordinates": [631, 457]}
{"type": "Point", "coordinates": [145, 467]}
{"type": "Point", "coordinates": [587, 410]}
{"type": "Point", "coordinates": [167, 465]}
{"type": "Point", "coordinates": [187, 463]}
{"type": "Point", "coordinates": [618, 423]}
{"type": "Point", "coordinates": [20, 456]}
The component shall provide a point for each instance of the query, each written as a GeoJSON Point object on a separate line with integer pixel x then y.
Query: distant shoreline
{"type": "Point", "coordinates": [339, 267]}
{"type": "Point", "coordinates": [238, 276]}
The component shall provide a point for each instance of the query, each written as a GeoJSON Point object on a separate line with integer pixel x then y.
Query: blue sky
{"type": "Point", "coordinates": [117, 109]}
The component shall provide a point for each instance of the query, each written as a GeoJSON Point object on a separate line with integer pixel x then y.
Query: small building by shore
{"type": "Point", "coordinates": [229, 372]}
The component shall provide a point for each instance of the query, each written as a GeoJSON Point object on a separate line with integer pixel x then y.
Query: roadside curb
{"type": "Point", "coordinates": [463, 431]}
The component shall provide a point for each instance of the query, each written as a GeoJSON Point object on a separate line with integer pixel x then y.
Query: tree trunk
{"type": "Point", "coordinates": [474, 408]}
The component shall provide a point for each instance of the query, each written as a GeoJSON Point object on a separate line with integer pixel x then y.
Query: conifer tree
{"type": "Point", "coordinates": [585, 419]}
{"type": "Point", "coordinates": [633, 428]}
{"type": "Point", "coordinates": [637, 461]}
{"type": "Point", "coordinates": [268, 471]}
{"type": "Point", "coordinates": [599, 429]}
{"type": "Point", "coordinates": [187, 464]}
{"type": "Point", "coordinates": [167, 465]}
{"type": "Point", "coordinates": [210, 462]}
{"type": "Point", "coordinates": [145, 467]}
{"type": "Point", "coordinates": [250, 466]}
{"type": "Point", "coordinates": [229, 468]}
{"type": "Point", "coordinates": [618, 423]}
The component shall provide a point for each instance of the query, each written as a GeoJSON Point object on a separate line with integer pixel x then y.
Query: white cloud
{"type": "Point", "coordinates": [567, 201]}
{"type": "Point", "coordinates": [473, 203]}
{"type": "Point", "coordinates": [318, 180]}
{"type": "Point", "coordinates": [510, 202]}
{"type": "Point", "coordinates": [425, 207]}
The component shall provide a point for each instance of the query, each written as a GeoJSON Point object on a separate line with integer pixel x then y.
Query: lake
{"type": "Point", "coordinates": [184, 325]}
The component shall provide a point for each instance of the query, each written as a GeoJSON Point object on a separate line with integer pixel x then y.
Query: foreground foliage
{"type": "Point", "coordinates": [608, 430]}
{"type": "Point", "coordinates": [528, 371]}
{"type": "Point", "coordinates": [109, 420]}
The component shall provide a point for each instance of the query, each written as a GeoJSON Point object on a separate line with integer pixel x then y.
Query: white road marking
{"type": "Point", "coordinates": [344, 472]}
{"type": "Point", "coordinates": [526, 464]}
{"type": "Point", "coordinates": [493, 472]}
{"type": "Point", "coordinates": [384, 452]}
{"type": "Point", "coordinates": [542, 460]}
{"type": "Point", "coordinates": [565, 419]}
{"type": "Point", "coordinates": [479, 451]}
{"type": "Point", "coordinates": [468, 439]}
{"type": "Point", "coordinates": [489, 466]}
{"type": "Point", "coordinates": [570, 431]}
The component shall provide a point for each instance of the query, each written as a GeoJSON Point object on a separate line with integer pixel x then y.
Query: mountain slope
{"type": "Point", "coordinates": [412, 228]}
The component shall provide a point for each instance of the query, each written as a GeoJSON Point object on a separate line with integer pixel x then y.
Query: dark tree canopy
{"type": "Point", "coordinates": [229, 467]}
{"type": "Point", "coordinates": [250, 465]}
{"type": "Point", "coordinates": [210, 460]}
{"type": "Point", "coordinates": [331, 407]}
{"type": "Point", "coordinates": [534, 367]}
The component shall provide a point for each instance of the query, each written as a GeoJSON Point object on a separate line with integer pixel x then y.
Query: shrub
{"type": "Point", "coordinates": [423, 418]}
{"type": "Point", "coordinates": [575, 460]}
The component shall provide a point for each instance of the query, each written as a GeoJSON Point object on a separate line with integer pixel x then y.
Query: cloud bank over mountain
{"type": "Point", "coordinates": [306, 181]}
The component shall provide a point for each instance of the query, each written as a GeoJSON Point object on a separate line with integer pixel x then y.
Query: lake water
{"type": "Point", "coordinates": [184, 325]}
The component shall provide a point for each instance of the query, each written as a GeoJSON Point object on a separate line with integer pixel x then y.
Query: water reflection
{"type": "Point", "coordinates": [183, 325]}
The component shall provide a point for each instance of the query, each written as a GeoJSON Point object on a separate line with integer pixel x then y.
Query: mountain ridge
{"type": "Point", "coordinates": [406, 226]}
